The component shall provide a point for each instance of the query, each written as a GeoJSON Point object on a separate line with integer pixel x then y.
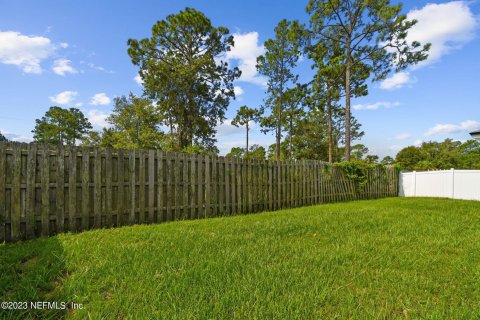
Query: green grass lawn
{"type": "Point", "coordinates": [387, 259]}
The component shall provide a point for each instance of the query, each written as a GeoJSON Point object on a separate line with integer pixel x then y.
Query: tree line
{"type": "Point", "coordinates": [188, 84]}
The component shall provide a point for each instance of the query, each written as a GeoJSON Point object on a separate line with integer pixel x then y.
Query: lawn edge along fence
{"type": "Point", "coordinates": [47, 189]}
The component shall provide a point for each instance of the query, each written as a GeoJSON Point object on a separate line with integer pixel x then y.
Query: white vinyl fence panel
{"type": "Point", "coordinates": [456, 184]}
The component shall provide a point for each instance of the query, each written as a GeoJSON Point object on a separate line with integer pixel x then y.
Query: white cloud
{"type": "Point", "coordinates": [376, 106]}
{"type": "Point", "coordinates": [25, 52]}
{"type": "Point", "coordinates": [238, 91]}
{"type": "Point", "coordinates": [395, 148]}
{"type": "Point", "coordinates": [447, 26]}
{"type": "Point", "coordinates": [98, 118]}
{"type": "Point", "coordinates": [226, 146]}
{"type": "Point", "coordinates": [99, 68]}
{"type": "Point", "coordinates": [398, 80]}
{"type": "Point", "coordinates": [417, 143]}
{"type": "Point", "coordinates": [468, 125]}
{"type": "Point", "coordinates": [245, 53]}
{"type": "Point", "coordinates": [16, 137]}
{"type": "Point", "coordinates": [100, 99]}
{"type": "Point", "coordinates": [226, 128]}
{"type": "Point", "coordinates": [138, 80]}
{"type": "Point", "coordinates": [64, 97]}
{"type": "Point", "coordinates": [401, 137]}
{"type": "Point", "coordinates": [62, 67]}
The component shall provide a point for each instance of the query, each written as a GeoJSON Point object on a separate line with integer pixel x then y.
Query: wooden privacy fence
{"type": "Point", "coordinates": [47, 189]}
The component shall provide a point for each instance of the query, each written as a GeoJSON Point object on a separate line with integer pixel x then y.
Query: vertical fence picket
{"type": "Point", "coordinates": [15, 191]}
{"type": "Point", "coordinates": [85, 188]}
{"type": "Point", "coordinates": [186, 188]}
{"type": "Point", "coordinates": [200, 191]}
{"type": "Point", "coordinates": [233, 185]}
{"type": "Point", "coordinates": [207, 187]}
{"type": "Point", "coordinates": [29, 192]}
{"type": "Point", "coordinates": [45, 189]}
{"type": "Point", "coordinates": [151, 186]}
{"type": "Point", "coordinates": [133, 187]}
{"type": "Point", "coordinates": [168, 186]}
{"type": "Point", "coordinates": [228, 209]}
{"type": "Point", "coordinates": [142, 214]}
{"type": "Point", "coordinates": [97, 189]}
{"type": "Point", "coordinates": [214, 187]}
{"type": "Point", "coordinates": [160, 182]}
{"type": "Point", "coordinates": [72, 189]}
{"type": "Point", "coordinates": [270, 185]}
{"type": "Point", "coordinates": [177, 198]}
{"type": "Point", "coordinates": [108, 188]}
{"type": "Point", "coordinates": [3, 176]}
{"type": "Point", "coordinates": [193, 185]}
{"type": "Point", "coordinates": [120, 187]}
{"type": "Point", "coordinates": [221, 186]}
{"type": "Point", "coordinates": [60, 190]}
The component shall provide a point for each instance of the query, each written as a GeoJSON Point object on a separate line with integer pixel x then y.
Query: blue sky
{"type": "Point", "coordinates": [74, 53]}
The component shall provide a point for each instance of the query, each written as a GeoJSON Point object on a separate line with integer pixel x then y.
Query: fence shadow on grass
{"type": "Point", "coordinates": [32, 271]}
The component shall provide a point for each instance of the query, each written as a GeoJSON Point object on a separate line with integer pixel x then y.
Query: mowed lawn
{"type": "Point", "coordinates": [382, 259]}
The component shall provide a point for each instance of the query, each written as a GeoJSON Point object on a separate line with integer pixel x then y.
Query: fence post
{"type": "Point", "coordinates": [452, 188]}
{"type": "Point", "coordinates": [414, 183]}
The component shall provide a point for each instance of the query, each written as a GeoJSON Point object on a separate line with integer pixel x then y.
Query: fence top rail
{"type": "Point", "coordinates": [440, 171]}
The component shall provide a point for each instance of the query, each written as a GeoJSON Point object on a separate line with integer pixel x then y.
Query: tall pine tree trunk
{"type": "Point", "coordinates": [347, 104]}
{"type": "Point", "coordinates": [290, 129]}
{"type": "Point", "coordinates": [330, 127]}
{"type": "Point", "coordinates": [246, 150]}
{"type": "Point", "coordinates": [279, 121]}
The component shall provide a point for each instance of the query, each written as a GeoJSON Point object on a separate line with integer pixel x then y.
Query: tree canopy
{"type": "Point", "coordinates": [135, 124]}
{"type": "Point", "coordinates": [440, 155]}
{"type": "Point", "coordinates": [61, 126]}
{"type": "Point", "coordinates": [371, 35]}
{"type": "Point", "coordinates": [183, 73]}
{"type": "Point", "coordinates": [2, 138]}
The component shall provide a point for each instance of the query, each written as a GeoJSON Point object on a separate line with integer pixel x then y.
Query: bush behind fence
{"type": "Point", "coordinates": [47, 189]}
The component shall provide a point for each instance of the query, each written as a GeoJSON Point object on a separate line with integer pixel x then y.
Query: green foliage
{"type": "Point", "coordinates": [61, 126]}
{"type": "Point", "coordinates": [372, 159]}
{"type": "Point", "coordinates": [3, 138]}
{"type": "Point", "coordinates": [245, 115]}
{"type": "Point", "coordinates": [256, 152]}
{"type": "Point", "coordinates": [104, 138]}
{"type": "Point", "coordinates": [440, 155]}
{"type": "Point", "coordinates": [387, 160]}
{"type": "Point", "coordinates": [236, 152]}
{"type": "Point", "coordinates": [309, 139]}
{"type": "Point", "coordinates": [200, 149]}
{"type": "Point", "coordinates": [272, 151]}
{"type": "Point", "coordinates": [359, 151]}
{"type": "Point", "coordinates": [135, 124]}
{"type": "Point", "coordinates": [91, 139]}
{"type": "Point", "coordinates": [356, 170]}
{"type": "Point", "coordinates": [332, 261]}
{"type": "Point", "coordinates": [181, 73]}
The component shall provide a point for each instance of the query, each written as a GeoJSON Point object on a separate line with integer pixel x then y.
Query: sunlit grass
{"type": "Point", "coordinates": [390, 258]}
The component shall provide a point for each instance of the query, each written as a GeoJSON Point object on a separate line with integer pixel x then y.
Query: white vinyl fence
{"type": "Point", "coordinates": [456, 184]}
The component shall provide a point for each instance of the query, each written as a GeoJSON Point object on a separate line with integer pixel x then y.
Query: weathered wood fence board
{"type": "Point", "coordinates": [47, 189]}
